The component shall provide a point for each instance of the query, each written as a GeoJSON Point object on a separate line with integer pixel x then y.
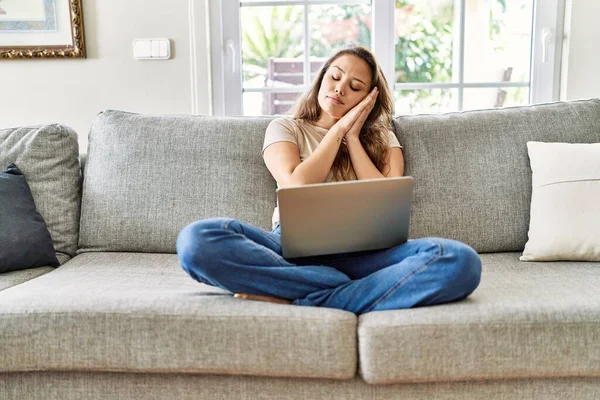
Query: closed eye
{"type": "Point", "coordinates": [337, 78]}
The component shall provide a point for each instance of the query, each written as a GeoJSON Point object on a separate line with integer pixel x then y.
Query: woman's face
{"type": "Point", "coordinates": [345, 84]}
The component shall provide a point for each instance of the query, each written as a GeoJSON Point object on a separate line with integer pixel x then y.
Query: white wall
{"type": "Point", "coordinates": [581, 57]}
{"type": "Point", "coordinates": [72, 92]}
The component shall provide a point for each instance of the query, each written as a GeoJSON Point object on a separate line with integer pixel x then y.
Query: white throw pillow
{"type": "Point", "coordinates": [565, 202]}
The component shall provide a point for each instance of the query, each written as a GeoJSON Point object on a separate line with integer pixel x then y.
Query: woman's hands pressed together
{"type": "Point", "coordinates": [353, 121]}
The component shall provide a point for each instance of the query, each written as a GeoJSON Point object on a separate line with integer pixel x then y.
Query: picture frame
{"type": "Point", "coordinates": [38, 29]}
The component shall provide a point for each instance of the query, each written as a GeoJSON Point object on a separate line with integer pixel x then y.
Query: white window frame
{"type": "Point", "coordinates": [226, 62]}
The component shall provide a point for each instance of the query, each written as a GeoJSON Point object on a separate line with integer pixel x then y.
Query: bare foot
{"type": "Point", "coordinates": [257, 297]}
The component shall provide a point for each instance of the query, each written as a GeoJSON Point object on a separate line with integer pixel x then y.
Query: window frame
{"type": "Point", "coordinates": [226, 56]}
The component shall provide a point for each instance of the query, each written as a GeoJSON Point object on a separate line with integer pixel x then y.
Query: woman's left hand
{"type": "Point", "coordinates": [354, 130]}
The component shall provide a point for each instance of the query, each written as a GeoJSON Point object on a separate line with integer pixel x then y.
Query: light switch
{"type": "Point", "coordinates": [151, 49]}
{"type": "Point", "coordinates": [155, 49]}
{"type": "Point", "coordinates": [163, 48]}
{"type": "Point", "coordinates": [142, 49]}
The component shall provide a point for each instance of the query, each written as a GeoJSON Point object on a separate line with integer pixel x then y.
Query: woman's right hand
{"type": "Point", "coordinates": [354, 119]}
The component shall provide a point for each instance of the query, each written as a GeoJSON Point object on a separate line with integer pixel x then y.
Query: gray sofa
{"type": "Point", "coordinates": [120, 319]}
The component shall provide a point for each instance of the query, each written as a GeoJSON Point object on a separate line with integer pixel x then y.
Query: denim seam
{"type": "Point", "coordinates": [393, 289]}
{"type": "Point", "coordinates": [264, 249]}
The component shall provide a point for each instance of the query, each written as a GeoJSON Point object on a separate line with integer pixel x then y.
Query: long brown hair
{"type": "Point", "coordinates": [373, 135]}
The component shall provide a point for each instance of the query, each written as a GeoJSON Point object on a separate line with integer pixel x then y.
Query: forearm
{"type": "Point", "coordinates": [362, 164]}
{"type": "Point", "coordinates": [317, 166]}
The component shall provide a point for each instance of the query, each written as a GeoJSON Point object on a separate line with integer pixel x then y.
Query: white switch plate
{"type": "Point", "coordinates": [152, 49]}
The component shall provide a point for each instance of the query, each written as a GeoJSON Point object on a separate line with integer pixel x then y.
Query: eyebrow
{"type": "Point", "coordinates": [352, 77]}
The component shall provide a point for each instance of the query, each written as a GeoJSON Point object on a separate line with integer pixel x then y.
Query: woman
{"type": "Point", "coordinates": [340, 131]}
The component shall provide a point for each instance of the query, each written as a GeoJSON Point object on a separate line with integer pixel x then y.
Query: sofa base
{"type": "Point", "coordinates": [90, 386]}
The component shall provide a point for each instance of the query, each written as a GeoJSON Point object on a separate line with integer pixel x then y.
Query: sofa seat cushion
{"type": "Point", "coordinates": [534, 320]}
{"type": "Point", "coordinates": [13, 278]}
{"type": "Point", "coordinates": [141, 313]}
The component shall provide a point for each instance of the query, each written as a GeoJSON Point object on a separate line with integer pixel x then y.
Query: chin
{"type": "Point", "coordinates": [332, 112]}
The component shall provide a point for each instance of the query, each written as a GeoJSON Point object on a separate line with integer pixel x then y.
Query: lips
{"type": "Point", "coordinates": [335, 100]}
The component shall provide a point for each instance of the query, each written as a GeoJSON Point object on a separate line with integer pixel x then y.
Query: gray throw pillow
{"type": "Point", "coordinates": [48, 156]}
{"type": "Point", "coordinates": [24, 238]}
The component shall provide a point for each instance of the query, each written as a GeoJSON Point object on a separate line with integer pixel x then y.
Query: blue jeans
{"type": "Point", "coordinates": [241, 258]}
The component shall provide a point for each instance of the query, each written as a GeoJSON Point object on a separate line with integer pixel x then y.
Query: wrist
{"type": "Point", "coordinates": [338, 131]}
{"type": "Point", "coordinates": [352, 140]}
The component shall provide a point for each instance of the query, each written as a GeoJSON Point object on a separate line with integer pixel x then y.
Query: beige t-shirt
{"type": "Point", "coordinates": [307, 137]}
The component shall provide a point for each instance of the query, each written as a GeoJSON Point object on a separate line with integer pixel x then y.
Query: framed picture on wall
{"type": "Point", "coordinates": [41, 29]}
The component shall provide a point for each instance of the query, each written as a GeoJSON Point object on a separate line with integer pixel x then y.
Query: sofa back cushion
{"type": "Point", "coordinates": [48, 157]}
{"type": "Point", "coordinates": [472, 172]}
{"type": "Point", "coordinates": [147, 176]}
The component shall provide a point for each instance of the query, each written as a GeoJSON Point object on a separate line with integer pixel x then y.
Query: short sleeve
{"type": "Point", "coordinates": [393, 140]}
{"type": "Point", "coordinates": [280, 130]}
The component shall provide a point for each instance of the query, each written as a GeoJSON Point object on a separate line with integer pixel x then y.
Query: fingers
{"type": "Point", "coordinates": [369, 102]}
{"type": "Point", "coordinates": [362, 110]}
{"type": "Point", "coordinates": [366, 105]}
{"type": "Point", "coordinates": [372, 96]}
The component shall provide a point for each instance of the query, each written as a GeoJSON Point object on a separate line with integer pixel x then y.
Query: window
{"type": "Point", "coordinates": [437, 55]}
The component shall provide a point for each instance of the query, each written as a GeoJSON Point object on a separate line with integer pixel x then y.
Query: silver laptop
{"type": "Point", "coordinates": [340, 217]}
